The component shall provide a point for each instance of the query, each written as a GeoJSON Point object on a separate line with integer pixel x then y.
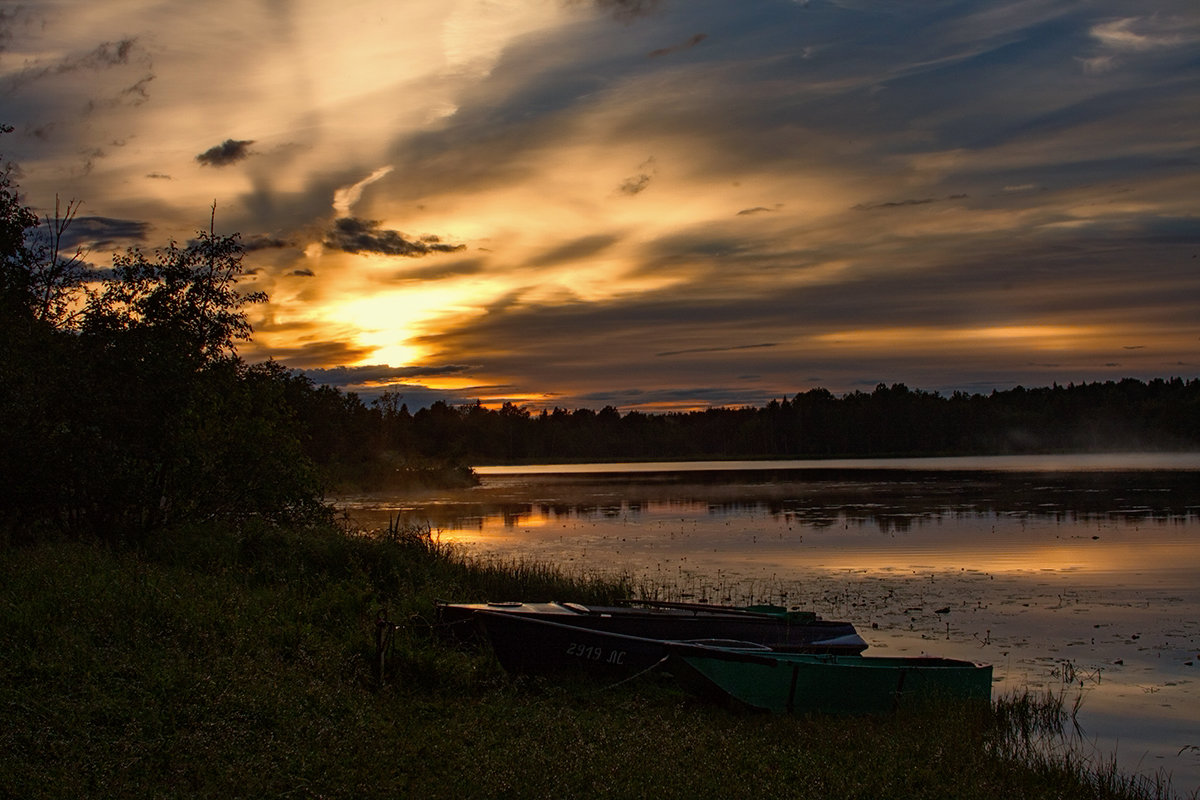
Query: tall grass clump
{"type": "Point", "coordinates": [1035, 729]}
{"type": "Point", "coordinates": [465, 575]}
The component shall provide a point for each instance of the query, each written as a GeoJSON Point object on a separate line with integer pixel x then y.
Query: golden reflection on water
{"type": "Point", "coordinates": [1104, 549]}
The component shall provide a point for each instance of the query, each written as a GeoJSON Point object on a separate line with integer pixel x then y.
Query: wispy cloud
{"type": "Point", "coordinates": [103, 56]}
{"type": "Point", "coordinates": [380, 373]}
{"type": "Point", "coordinates": [1143, 33]}
{"type": "Point", "coordinates": [626, 9]}
{"type": "Point", "coordinates": [730, 349]}
{"type": "Point", "coordinates": [345, 198]}
{"type": "Point", "coordinates": [439, 271]}
{"type": "Point", "coordinates": [924, 201]}
{"type": "Point", "coordinates": [691, 42]}
{"type": "Point", "coordinates": [1122, 39]}
{"type": "Point", "coordinates": [575, 251]}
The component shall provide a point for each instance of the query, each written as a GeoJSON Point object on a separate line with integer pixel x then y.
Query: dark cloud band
{"type": "Point", "coordinates": [345, 376]}
{"type": "Point", "coordinates": [100, 233]}
{"type": "Point", "coordinates": [354, 235]}
{"type": "Point", "coordinates": [227, 152]}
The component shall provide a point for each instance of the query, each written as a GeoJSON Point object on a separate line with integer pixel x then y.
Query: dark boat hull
{"type": "Point", "coordinates": [524, 644]}
{"type": "Point", "coordinates": [676, 622]}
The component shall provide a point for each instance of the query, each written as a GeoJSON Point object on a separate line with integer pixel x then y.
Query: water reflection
{"type": "Point", "coordinates": [1101, 522]}
{"type": "Point", "coordinates": [894, 501]}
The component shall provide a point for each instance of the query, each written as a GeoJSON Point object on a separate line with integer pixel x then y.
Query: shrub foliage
{"type": "Point", "coordinates": [124, 405]}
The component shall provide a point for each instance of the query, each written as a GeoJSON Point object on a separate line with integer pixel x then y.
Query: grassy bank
{"type": "Point", "coordinates": [230, 664]}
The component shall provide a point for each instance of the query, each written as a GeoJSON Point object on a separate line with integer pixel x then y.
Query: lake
{"type": "Point", "coordinates": [1074, 574]}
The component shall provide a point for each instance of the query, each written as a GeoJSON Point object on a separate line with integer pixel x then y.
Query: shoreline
{"type": "Point", "coordinates": [1132, 461]}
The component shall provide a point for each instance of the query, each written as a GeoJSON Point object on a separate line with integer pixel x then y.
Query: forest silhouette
{"type": "Point", "coordinates": [125, 407]}
{"type": "Point", "coordinates": [1126, 415]}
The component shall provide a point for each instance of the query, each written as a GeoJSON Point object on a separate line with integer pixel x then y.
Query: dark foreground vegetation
{"type": "Point", "coordinates": [214, 663]}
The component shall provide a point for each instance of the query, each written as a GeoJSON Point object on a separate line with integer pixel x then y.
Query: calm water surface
{"type": "Point", "coordinates": [1076, 574]}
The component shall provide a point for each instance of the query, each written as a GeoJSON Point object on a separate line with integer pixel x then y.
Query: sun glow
{"type": "Point", "coordinates": [387, 322]}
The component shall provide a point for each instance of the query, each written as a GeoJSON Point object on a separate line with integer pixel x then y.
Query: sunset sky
{"type": "Point", "coordinates": [654, 205]}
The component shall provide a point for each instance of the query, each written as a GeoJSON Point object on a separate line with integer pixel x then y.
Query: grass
{"type": "Point", "coordinates": [241, 664]}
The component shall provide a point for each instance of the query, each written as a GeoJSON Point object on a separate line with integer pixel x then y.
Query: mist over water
{"type": "Point", "coordinates": [1072, 462]}
{"type": "Point", "coordinates": [1078, 575]}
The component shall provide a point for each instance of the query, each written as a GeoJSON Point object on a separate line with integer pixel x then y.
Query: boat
{"type": "Point", "coordinates": [525, 643]}
{"type": "Point", "coordinates": [825, 683]}
{"type": "Point", "coordinates": [772, 626]}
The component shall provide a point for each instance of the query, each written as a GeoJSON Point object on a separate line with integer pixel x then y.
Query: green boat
{"type": "Point", "coordinates": [841, 684]}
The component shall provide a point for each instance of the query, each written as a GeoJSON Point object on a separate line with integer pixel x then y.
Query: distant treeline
{"type": "Point", "coordinates": [889, 421]}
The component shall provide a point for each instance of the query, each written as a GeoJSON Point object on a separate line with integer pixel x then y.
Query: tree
{"type": "Point", "coordinates": [24, 353]}
{"type": "Point", "coordinates": [38, 282]}
{"type": "Point", "coordinates": [125, 407]}
{"type": "Point", "coordinates": [183, 303]}
{"type": "Point", "coordinates": [15, 220]}
{"type": "Point", "coordinates": [178, 427]}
